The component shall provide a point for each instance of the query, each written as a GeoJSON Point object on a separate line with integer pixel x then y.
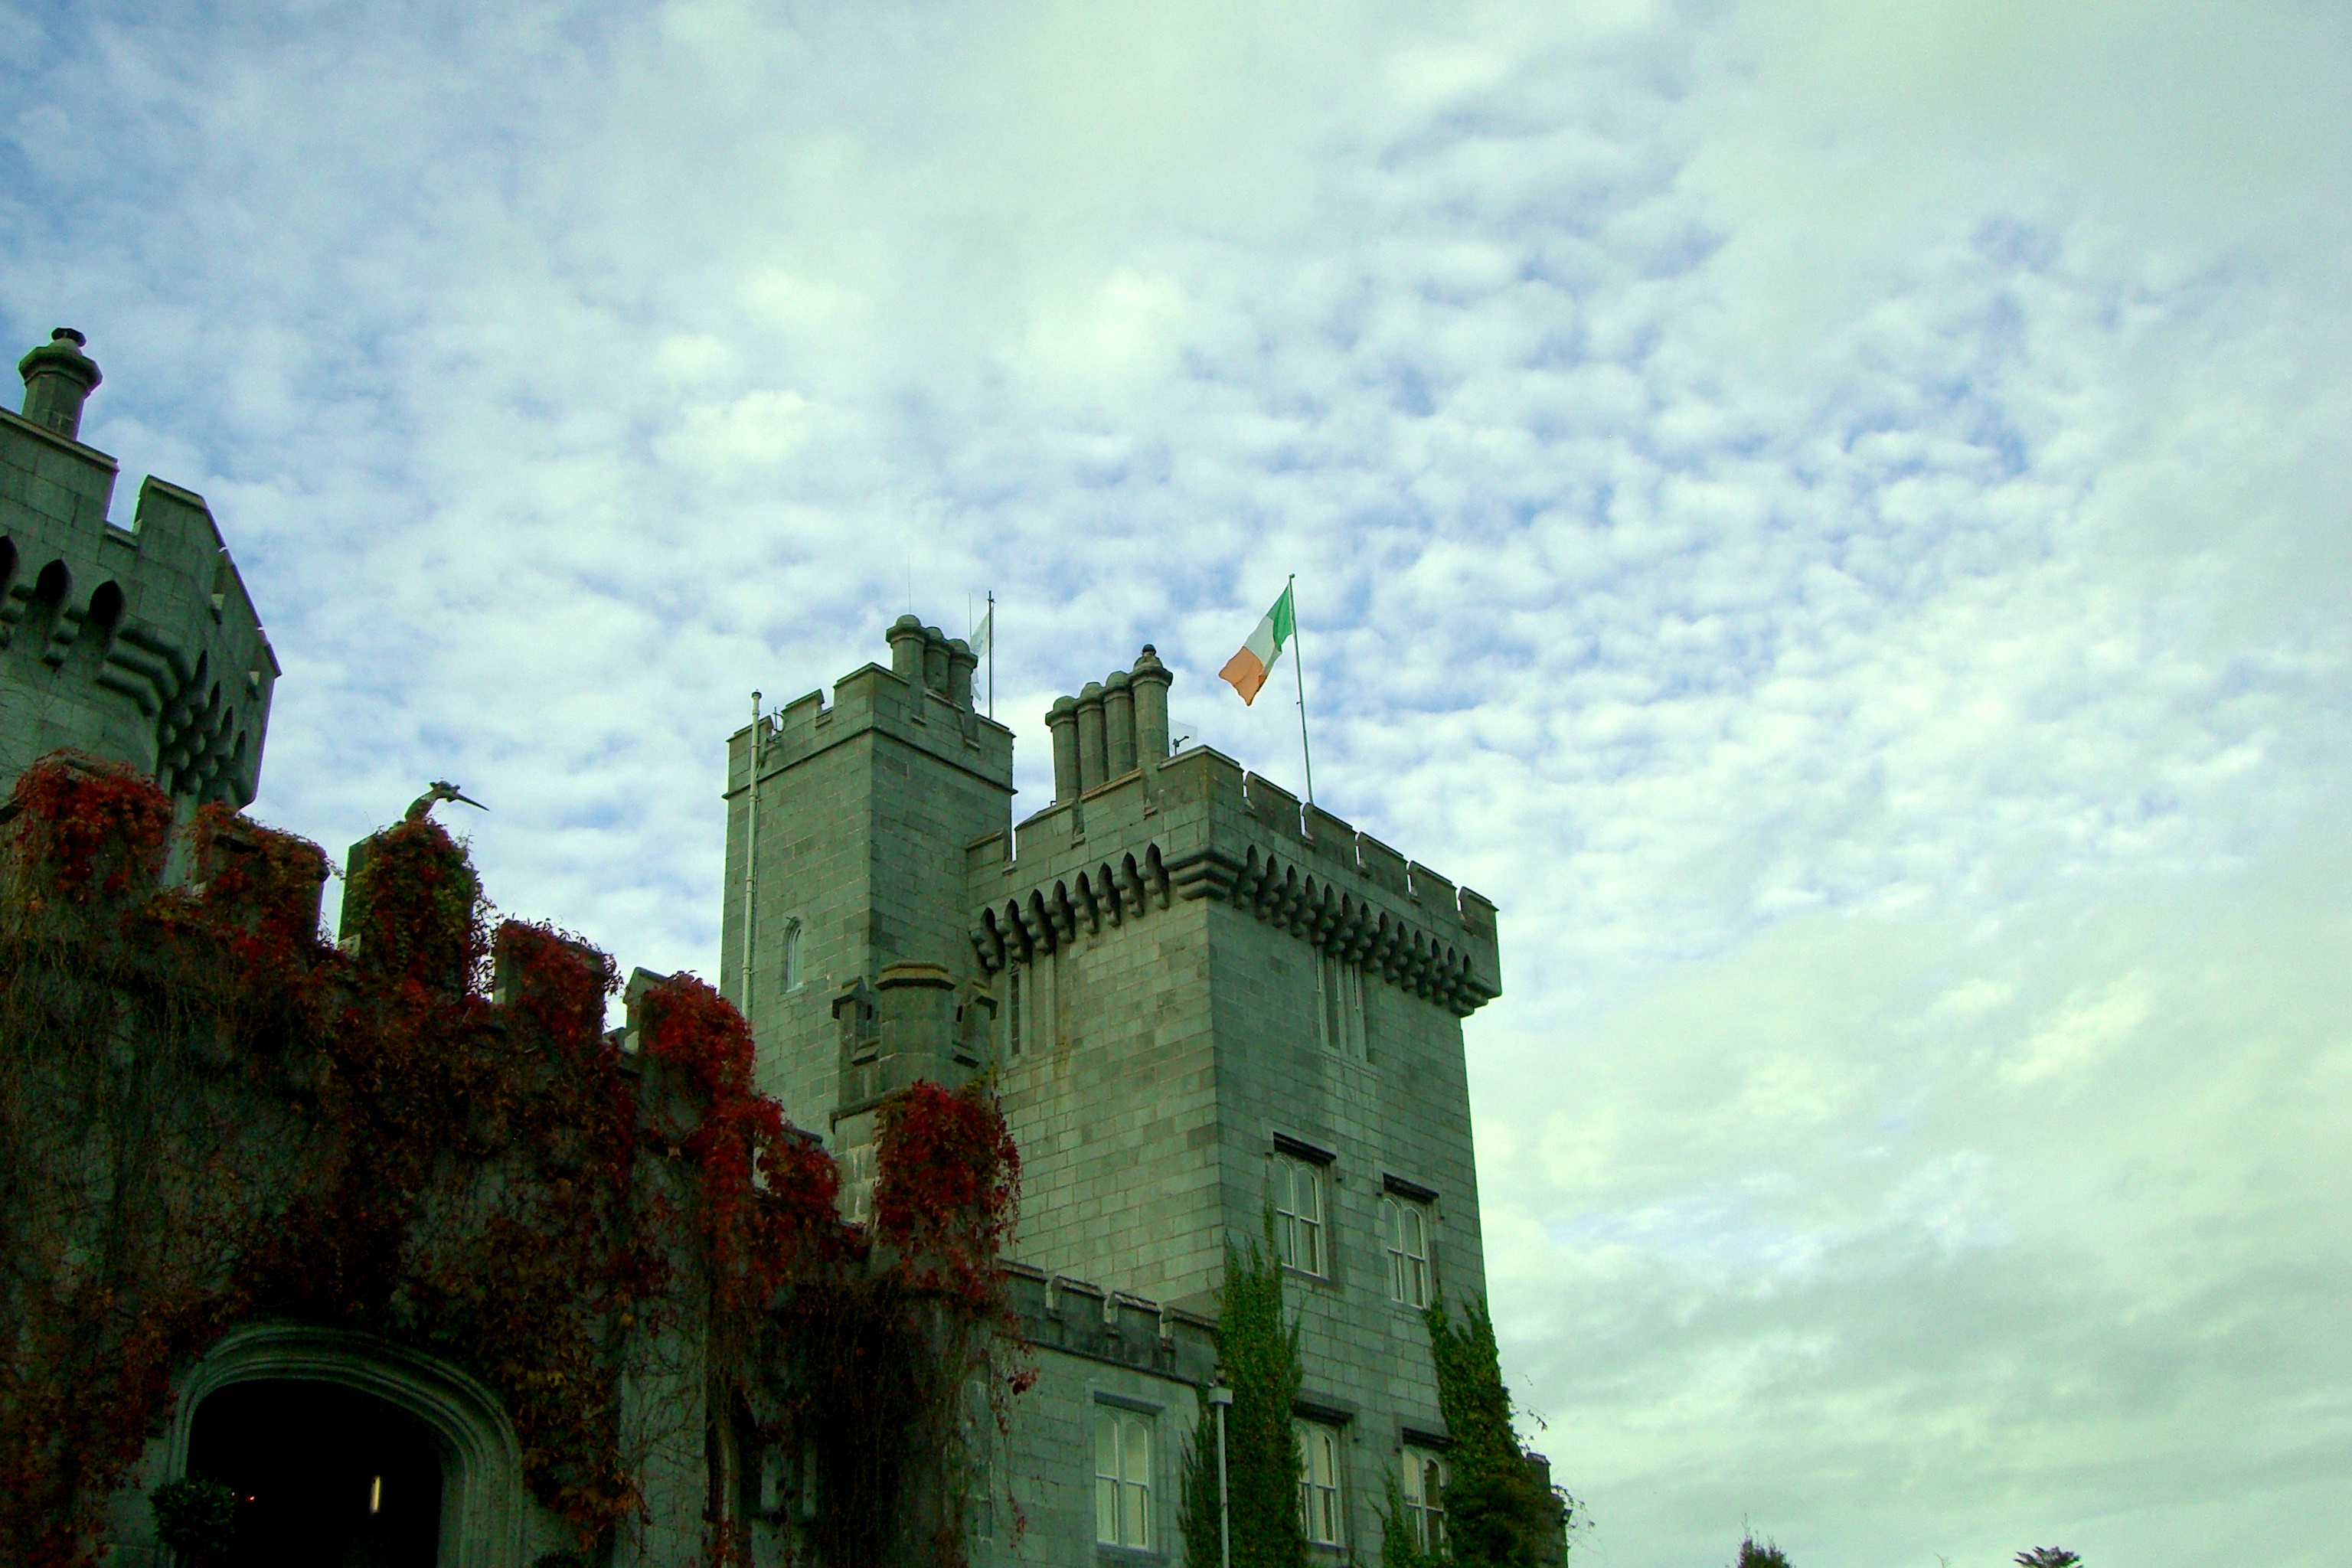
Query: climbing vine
{"type": "Point", "coordinates": [1257, 1353]}
{"type": "Point", "coordinates": [1498, 1512]}
{"type": "Point", "coordinates": [213, 1116]}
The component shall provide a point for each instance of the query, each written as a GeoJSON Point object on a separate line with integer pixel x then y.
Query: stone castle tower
{"type": "Point", "coordinates": [138, 645]}
{"type": "Point", "coordinates": [1203, 1003]}
{"type": "Point", "coordinates": [1206, 1008]}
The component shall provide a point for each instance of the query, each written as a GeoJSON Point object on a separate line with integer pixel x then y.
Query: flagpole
{"type": "Point", "coordinates": [992, 653]}
{"type": "Point", "coordinates": [1298, 668]}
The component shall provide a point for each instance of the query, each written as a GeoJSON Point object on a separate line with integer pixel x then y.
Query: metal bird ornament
{"type": "Point", "coordinates": [422, 806]}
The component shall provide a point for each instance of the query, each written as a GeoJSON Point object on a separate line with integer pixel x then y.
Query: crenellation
{"type": "Point", "coordinates": [1275, 808]}
{"type": "Point", "coordinates": [1433, 892]}
{"type": "Point", "coordinates": [142, 643]}
{"type": "Point", "coordinates": [1167, 966]}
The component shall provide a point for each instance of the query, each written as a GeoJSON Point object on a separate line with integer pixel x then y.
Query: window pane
{"type": "Point", "coordinates": [1107, 1510]}
{"type": "Point", "coordinates": [1138, 1450]}
{"type": "Point", "coordinates": [1138, 1517]}
{"type": "Point", "coordinates": [1106, 1444]}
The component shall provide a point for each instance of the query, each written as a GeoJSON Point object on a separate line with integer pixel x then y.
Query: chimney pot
{"type": "Point", "coordinates": [58, 378]}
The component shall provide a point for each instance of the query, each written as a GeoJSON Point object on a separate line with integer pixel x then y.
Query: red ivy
{"type": "Point", "coordinates": [88, 829]}
{"type": "Point", "coordinates": [477, 1174]}
{"type": "Point", "coordinates": [948, 1188]}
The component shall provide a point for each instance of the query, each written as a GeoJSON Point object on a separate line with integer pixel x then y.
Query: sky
{"type": "Point", "coordinates": [1825, 513]}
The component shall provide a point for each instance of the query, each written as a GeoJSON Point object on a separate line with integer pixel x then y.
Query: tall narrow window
{"type": "Point", "coordinates": [1013, 1011]}
{"type": "Point", "coordinates": [1122, 1478]}
{"type": "Point", "coordinates": [1425, 1498]}
{"type": "Point", "coordinates": [1340, 1006]}
{"type": "Point", "coordinates": [1319, 1484]}
{"type": "Point", "coordinates": [791, 966]}
{"type": "Point", "coordinates": [1298, 1213]}
{"type": "Point", "coordinates": [1406, 1226]}
{"type": "Point", "coordinates": [857, 1189]}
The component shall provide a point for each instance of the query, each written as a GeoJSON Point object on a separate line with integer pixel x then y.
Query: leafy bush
{"type": "Point", "coordinates": [193, 1518]}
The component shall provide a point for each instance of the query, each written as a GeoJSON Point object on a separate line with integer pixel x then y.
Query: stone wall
{"type": "Point", "coordinates": [138, 645]}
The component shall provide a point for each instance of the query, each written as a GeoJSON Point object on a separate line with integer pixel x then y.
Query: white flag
{"type": "Point", "coordinates": [982, 632]}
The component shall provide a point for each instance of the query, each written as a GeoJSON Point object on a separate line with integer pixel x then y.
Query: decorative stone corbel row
{"type": "Point", "coordinates": [1314, 910]}
{"type": "Point", "coordinates": [1022, 928]}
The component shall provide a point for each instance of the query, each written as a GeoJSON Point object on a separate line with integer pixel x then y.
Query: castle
{"type": "Point", "coordinates": [1206, 1008]}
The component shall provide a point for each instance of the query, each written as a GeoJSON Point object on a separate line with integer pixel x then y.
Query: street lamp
{"type": "Point", "coordinates": [1222, 1398]}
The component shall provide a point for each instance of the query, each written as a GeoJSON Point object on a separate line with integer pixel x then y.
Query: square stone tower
{"type": "Point", "coordinates": [136, 644]}
{"type": "Point", "coordinates": [1208, 1009]}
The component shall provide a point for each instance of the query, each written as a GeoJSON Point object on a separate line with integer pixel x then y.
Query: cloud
{"type": "Point", "coordinates": [1833, 517]}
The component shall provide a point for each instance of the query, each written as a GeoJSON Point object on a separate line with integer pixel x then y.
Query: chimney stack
{"type": "Point", "coordinates": [57, 377]}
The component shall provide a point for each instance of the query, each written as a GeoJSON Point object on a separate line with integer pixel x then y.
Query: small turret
{"type": "Point", "coordinates": [143, 646]}
{"type": "Point", "coordinates": [58, 378]}
{"type": "Point", "coordinates": [1111, 727]}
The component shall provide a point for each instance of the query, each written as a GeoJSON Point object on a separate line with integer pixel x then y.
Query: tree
{"type": "Point", "coordinates": [1257, 1350]}
{"type": "Point", "coordinates": [1497, 1513]}
{"type": "Point", "coordinates": [2049, 1557]}
{"type": "Point", "coordinates": [1767, 1556]}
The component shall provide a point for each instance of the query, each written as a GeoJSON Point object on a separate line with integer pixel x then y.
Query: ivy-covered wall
{"type": "Point", "coordinates": [214, 1117]}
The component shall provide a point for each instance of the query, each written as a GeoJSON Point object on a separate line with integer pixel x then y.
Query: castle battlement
{"type": "Point", "coordinates": [1198, 826]}
{"type": "Point", "coordinates": [1078, 1318]}
{"type": "Point", "coordinates": [930, 720]}
{"type": "Point", "coordinates": [140, 644]}
{"type": "Point", "coordinates": [1200, 1003]}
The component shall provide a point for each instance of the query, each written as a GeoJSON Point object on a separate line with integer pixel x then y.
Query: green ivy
{"type": "Point", "coordinates": [1497, 1513]}
{"type": "Point", "coordinates": [1257, 1350]}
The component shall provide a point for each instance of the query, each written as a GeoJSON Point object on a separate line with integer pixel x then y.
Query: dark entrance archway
{"type": "Point", "coordinates": [327, 1476]}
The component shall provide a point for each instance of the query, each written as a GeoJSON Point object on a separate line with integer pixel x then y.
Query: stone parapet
{"type": "Point", "coordinates": [1075, 1318]}
{"type": "Point", "coordinates": [146, 639]}
{"type": "Point", "coordinates": [1198, 826]}
{"type": "Point", "coordinates": [873, 698]}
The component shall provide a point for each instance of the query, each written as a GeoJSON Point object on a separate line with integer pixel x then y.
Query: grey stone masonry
{"type": "Point", "coordinates": [1096, 1348]}
{"type": "Point", "coordinates": [1202, 1002]}
{"type": "Point", "coordinates": [140, 645]}
{"type": "Point", "coordinates": [846, 829]}
{"type": "Point", "coordinates": [1202, 985]}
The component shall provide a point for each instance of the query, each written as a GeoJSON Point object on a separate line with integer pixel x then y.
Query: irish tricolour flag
{"type": "Point", "coordinates": [1246, 670]}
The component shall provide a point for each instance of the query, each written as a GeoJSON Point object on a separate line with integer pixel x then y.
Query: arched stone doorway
{"type": "Point", "coordinates": [268, 1391]}
{"type": "Point", "coordinates": [326, 1476]}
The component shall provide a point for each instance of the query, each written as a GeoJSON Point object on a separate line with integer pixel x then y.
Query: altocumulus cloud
{"type": "Point", "coordinates": [1834, 516]}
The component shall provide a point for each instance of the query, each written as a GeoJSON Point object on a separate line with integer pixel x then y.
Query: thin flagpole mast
{"type": "Point", "coordinates": [1298, 668]}
{"type": "Point", "coordinates": [750, 864]}
{"type": "Point", "coordinates": [992, 653]}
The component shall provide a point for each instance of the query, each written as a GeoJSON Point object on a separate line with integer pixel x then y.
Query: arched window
{"type": "Point", "coordinates": [1297, 1198]}
{"type": "Point", "coordinates": [789, 966]}
{"type": "Point", "coordinates": [1425, 1498]}
{"type": "Point", "coordinates": [1122, 1478]}
{"type": "Point", "coordinates": [1319, 1484]}
{"type": "Point", "coordinates": [1404, 1227]}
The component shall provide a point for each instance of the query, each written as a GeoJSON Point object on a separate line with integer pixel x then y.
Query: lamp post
{"type": "Point", "coordinates": [1222, 1398]}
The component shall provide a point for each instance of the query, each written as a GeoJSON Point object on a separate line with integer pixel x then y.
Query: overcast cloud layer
{"type": "Point", "coordinates": [1834, 516]}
